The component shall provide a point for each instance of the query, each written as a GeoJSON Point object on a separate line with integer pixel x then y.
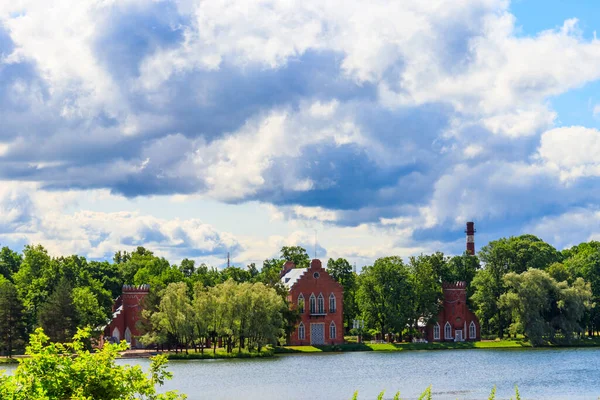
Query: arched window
{"type": "Point", "coordinates": [321, 304]}
{"type": "Point", "coordinates": [127, 335]}
{"type": "Point", "coordinates": [312, 303]}
{"type": "Point", "coordinates": [472, 330]}
{"type": "Point", "coordinates": [447, 331]}
{"type": "Point", "coordinates": [436, 331]}
{"type": "Point", "coordinates": [116, 334]}
{"type": "Point", "coordinates": [301, 332]}
{"type": "Point", "coordinates": [301, 304]}
{"type": "Point", "coordinates": [332, 305]}
{"type": "Point", "coordinates": [332, 330]}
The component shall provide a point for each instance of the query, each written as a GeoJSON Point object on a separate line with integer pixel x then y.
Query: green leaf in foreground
{"type": "Point", "coordinates": [68, 371]}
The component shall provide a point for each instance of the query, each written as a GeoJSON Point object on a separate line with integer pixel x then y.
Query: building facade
{"type": "Point", "coordinates": [455, 322]}
{"type": "Point", "coordinates": [127, 311]}
{"type": "Point", "coordinates": [319, 298]}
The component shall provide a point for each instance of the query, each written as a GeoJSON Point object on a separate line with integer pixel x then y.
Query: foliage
{"type": "Point", "coordinates": [427, 395]}
{"type": "Point", "coordinates": [243, 313]}
{"type": "Point", "coordinates": [12, 326]}
{"type": "Point", "coordinates": [297, 255]}
{"type": "Point", "coordinates": [58, 315]}
{"type": "Point", "coordinates": [67, 371]}
{"type": "Point", "coordinates": [384, 294]}
{"type": "Point", "coordinates": [341, 271]}
{"type": "Point", "coordinates": [542, 307]}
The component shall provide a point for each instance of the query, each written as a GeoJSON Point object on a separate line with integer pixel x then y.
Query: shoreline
{"type": "Point", "coordinates": [343, 348]}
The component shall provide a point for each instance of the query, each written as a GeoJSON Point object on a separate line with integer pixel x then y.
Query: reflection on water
{"type": "Point", "coordinates": [453, 374]}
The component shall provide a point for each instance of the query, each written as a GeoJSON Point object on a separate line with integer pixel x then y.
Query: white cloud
{"type": "Point", "coordinates": [30, 215]}
{"type": "Point", "coordinates": [573, 152]}
{"type": "Point", "coordinates": [568, 229]}
{"type": "Point", "coordinates": [596, 110]}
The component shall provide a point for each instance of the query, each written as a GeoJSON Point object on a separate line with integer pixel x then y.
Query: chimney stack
{"type": "Point", "coordinates": [470, 231]}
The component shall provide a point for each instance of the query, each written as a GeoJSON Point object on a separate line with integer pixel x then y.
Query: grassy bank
{"type": "Point", "coordinates": [6, 360]}
{"type": "Point", "coordinates": [487, 344]}
{"type": "Point", "coordinates": [221, 353]}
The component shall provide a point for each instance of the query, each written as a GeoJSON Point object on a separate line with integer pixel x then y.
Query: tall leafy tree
{"type": "Point", "coordinates": [541, 307]}
{"type": "Point", "coordinates": [296, 254]}
{"type": "Point", "coordinates": [426, 288]}
{"type": "Point", "coordinates": [341, 271]}
{"type": "Point", "coordinates": [12, 323]}
{"type": "Point", "coordinates": [58, 316]}
{"type": "Point", "coordinates": [10, 262]}
{"type": "Point", "coordinates": [384, 294]}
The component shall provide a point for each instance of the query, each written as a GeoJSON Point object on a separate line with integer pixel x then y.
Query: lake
{"type": "Point", "coordinates": [453, 374]}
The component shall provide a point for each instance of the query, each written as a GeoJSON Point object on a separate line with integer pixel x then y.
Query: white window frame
{"type": "Point", "coordinates": [332, 330]}
{"type": "Point", "coordinates": [472, 330]}
{"type": "Point", "coordinates": [321, 304]}
{"type": "Point", "coordinates": [301, 331]}
{"type": "Point", "coordinates": [301, 303]}
{"type": "Point", "coordinates": [312, 303]}
{"type": "Point", "coordinates": [332, 303]}
{"type": "Point", "coordinates": [447, 328]}
{"type": "Point", "coordinates": [436, 331]}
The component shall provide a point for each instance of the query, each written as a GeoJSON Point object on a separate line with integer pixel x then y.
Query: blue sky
{"type": "Point", "coordinates": [200, 128]}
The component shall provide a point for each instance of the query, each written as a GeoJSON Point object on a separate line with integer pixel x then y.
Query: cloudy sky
{"type": "Point", "coordinates": [198, 127]}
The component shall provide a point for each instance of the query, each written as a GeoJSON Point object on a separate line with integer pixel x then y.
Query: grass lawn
{"type": "Point", "coordinates": [485, 344]}
{"type": "Point", "coordinates": [221, 353]}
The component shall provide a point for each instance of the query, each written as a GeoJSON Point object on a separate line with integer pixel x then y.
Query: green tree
{"type": "Point", "coordinates": [68, 371]}
{"type": "Point", "coordinates": [297, 255]}
{"type": "Point", "coordinates": [174, 317]}
{"type": "Point", "coordinates": [187, 267]}
{"type": "Point", "coordinates": [384, 295]}
{"type": "Point", "coordinates": [341, 271]}
{"type": "Point", "coordinates": [541, 307]}
{"type": "Point", "coordinates": [463, 268]}
{"type": "Point", "coordinates": [58, 315]}
{"type": "Point", "coordinates": [10, 263]}
{"type": "Point", "coordinates": [426, 288]}
{"type": "Point", "coordinates": [87, 309]}
{"type": "Point", "coordinates": [12, 326]}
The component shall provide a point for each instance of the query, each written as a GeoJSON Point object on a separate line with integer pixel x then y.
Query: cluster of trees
{"type": "Point", "coordinates": [516, 285]}
{"type": "Point", "coordinates": [392, 296]}
{"type": "Point", "coordinates": [62, 294]}
{"type": "Point", "coordinates": [529, 287]}
{"type": "Point", "coordinates": [243, 314]}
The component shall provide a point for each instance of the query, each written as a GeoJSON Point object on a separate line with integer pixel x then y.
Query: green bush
{"type": "Point", "coordinates": [56, 371]}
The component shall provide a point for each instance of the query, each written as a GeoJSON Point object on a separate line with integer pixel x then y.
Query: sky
{"type": "Point", "coordinates": [201, 128]}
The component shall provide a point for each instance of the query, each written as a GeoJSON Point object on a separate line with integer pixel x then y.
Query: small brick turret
{"type": "Point", "coordinates": [127, 311]}
{"type": "Point", "coordinates": [455, 322]}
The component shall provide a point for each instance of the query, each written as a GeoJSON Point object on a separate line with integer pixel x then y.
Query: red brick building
{"type": "Point", "coordinates": [455, 322]}
{"type": "Point", "coordinates": [127, 312]}
{"type": "Point", "coordinates": [319, 298]}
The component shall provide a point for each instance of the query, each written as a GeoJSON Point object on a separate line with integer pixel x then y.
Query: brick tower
{"type": "Point", "coordinates": [470, 231]}
{"type": "Point", "coordinates": [127, 312]}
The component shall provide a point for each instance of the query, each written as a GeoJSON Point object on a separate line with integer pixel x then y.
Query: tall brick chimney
{"type": "Point", "coordinates": [470, 231]}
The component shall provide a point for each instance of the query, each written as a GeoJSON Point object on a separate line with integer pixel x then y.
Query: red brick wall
{"type": "Point", "coordinates": [456, 313]}
{"type": "Point", "coordinates": [325, 285]}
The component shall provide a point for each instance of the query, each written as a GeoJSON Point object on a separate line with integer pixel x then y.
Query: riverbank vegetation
{"type": "Point", "coordinates": [518, 286]}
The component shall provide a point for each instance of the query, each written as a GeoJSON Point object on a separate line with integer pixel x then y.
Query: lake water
{"type": "Point", "coordinates": [453, 374]}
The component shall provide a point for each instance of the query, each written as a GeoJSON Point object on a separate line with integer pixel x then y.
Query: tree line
{"type": "Point", "coordinates": [516, 285]}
